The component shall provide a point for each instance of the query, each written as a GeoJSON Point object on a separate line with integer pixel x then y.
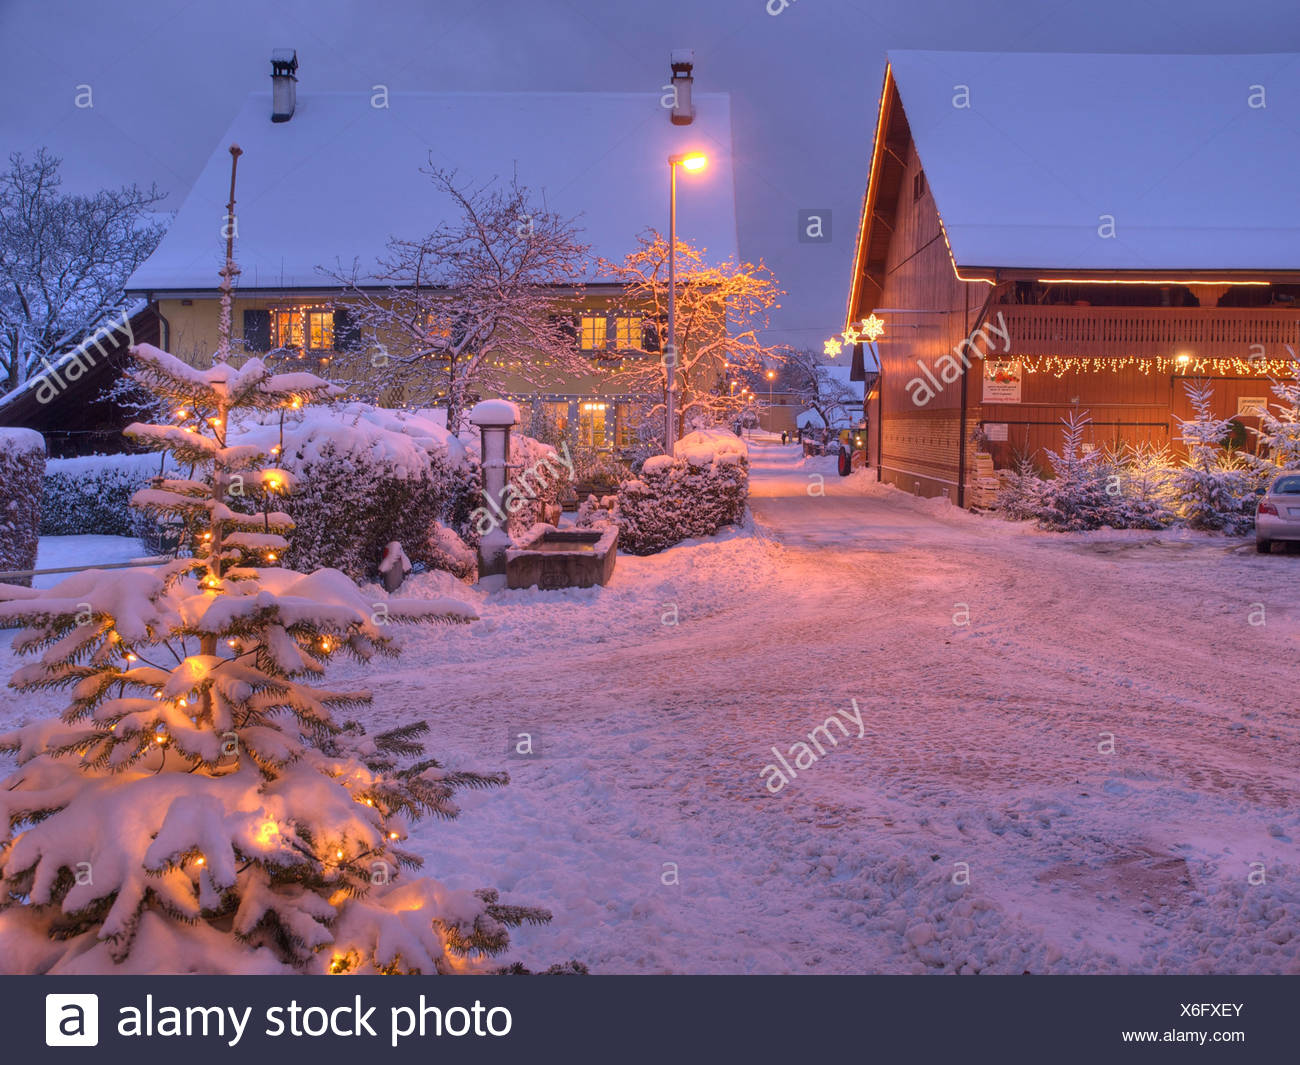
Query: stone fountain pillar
{"type": "Point", "coordinates": [494, 418]}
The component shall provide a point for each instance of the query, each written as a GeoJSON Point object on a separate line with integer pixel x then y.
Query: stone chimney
{"type": "Point", "coordinates": [284, 84]}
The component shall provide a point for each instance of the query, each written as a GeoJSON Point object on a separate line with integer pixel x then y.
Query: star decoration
{"type": "Point", "coordinates": [872, 327]}
{"type": "Point", "coordinates": [851, 335]}
{"type": "Point", "coordinates": [832, 347]}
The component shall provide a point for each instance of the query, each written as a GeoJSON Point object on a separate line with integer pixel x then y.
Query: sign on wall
{"type": "Point", "coordinates": [1251, 406]}
{"type": "Point", "coordinates": [995, 430]}
{"type": "Point", "coordinates": [1002, 379]}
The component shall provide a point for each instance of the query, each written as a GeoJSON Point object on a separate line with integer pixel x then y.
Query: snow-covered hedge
{"type": "Point", "coordinates": [22, 466]}
{"type": "Point", "coordinates": [704, 486]}
{"type": "Point", "coordinates": [362, 477]}
{"type": "Point", "coordinates": [92, 494]}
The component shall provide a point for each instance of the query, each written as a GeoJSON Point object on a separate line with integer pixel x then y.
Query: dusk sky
{"type": "Point", "coordinates": [167, 77]}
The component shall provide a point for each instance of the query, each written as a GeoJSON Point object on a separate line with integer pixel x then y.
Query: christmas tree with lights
{"type": "Point", "coordinates": [200, 805]}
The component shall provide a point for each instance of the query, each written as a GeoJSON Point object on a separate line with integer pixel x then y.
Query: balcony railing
{"type": "Point", "coordinates": [1203, 332]}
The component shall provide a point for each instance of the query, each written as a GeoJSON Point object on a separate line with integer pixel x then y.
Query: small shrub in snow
{"type": "Point", "coordinates": [703, 487]}
{"type": "Point", "coordinates": [1021, 496]}
{"type": "Point", "coordinates": [447, 551]}
{"type": "Point", "coordinates": [22, 469]}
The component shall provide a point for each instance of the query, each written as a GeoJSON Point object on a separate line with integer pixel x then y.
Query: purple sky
{"type": "Point", "coordinates": [167, 77]}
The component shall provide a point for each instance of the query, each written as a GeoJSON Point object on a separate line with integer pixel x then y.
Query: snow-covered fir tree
{"type": "Point", "coordinates": [1076, 496]}
{"type": "Point", "coordinates": [1140, 476]}
{"type": "Point", "coordinates": [199, 805]}
{"type": "Point", "coordinates": [1279, 423]}
{"type": "Point", "coordinates": [1213, 488]}
{"type": "Point", "coordinates": [1021, 496]}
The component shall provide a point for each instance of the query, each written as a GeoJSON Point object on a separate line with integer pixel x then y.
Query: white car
{"type": "Point", "coordinates": [1277, 515]}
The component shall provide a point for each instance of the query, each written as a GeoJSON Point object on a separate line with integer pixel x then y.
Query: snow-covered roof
{"type": "Point", "coordinates": [1175, 148]}
{"type": "Point", "coordinates": [342, 176]}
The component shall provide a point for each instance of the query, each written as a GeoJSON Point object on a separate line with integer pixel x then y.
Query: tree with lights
{"type": "Point", "coordinates": [721, 313]}
{"type": "Point", "coordinates": [199, 805]}
{"type": "Point", "coordinates": [471, 309]}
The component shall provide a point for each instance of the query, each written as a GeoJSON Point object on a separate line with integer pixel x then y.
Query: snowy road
{"type": "Point", "coordinates": [645, 824]}
{"type": "Point", "coordinates": [982, 743]}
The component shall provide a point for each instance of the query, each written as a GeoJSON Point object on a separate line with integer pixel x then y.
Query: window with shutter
{"type": "Point", "coordinates": [347, 330]}
{"type": "Point", "coordinates": [257, 331]}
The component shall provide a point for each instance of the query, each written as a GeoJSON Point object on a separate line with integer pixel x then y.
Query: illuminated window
{"type": "Point", "coordinates": [617, 332]}
{"type": "Point", "coordinates": [627, 332]}
{"type": "Point", "coordinates": [286, 328]}
{"type": "Point", "coordinates": [291, 326]}
{"type": "Point", "coordinates": [559, 414]}
{"type": "Point", "coordinates": [320, 330]}
{"type": "Point", "coordinates": [629, 418]}
{"type": "Point", "coordinates": [591, 425]}
{"type": "Point", "coordinates": [591, 332]}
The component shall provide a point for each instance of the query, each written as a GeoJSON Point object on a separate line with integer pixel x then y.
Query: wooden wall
{"type": "Point", "coordinates": [919, 445]}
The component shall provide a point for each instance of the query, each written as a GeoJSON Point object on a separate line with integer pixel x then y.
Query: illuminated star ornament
{"type": "Point", "coordinates": [872, 327]}
{"type": "Point", "coordinates": [868, 329]}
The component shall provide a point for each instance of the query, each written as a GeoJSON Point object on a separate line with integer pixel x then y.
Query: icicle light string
{"type": "Point", "coordinates": [1059, 365]}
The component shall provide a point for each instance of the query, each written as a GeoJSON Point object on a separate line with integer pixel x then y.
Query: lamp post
{"type": "Point", "coordinates": [771, 378]}
{"type": "Point", "coordinates": [691, 161]}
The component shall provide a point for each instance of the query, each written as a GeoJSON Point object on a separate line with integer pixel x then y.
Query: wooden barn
{"type": "Point", "coordinates": [1044, 234]}
{"type": "Point", "coordinates": [69, 402]}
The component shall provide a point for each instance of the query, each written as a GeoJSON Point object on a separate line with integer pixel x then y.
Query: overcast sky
{"type": "Point", "coordinates": [168, 76]}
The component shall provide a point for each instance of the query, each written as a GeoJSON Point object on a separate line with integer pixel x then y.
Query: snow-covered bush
{"type": "Point", "coordinates": [22, 468]}
{"type": "Point", "coordinates": [199, 806]}
{"type": "Point", "coordinates": [447, 551]}
{"type": "Point", "coordinates": [701, 488]}
{"type": "Point", "coordinates": [361, 477]}
{"type": "Point", "coordinates": [594, 511]}
{"type": "Point", "coordinates": [1214, 489]}
{"type": "Point", "coordinates": [92, 494]}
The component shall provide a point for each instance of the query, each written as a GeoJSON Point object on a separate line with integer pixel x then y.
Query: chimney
{"type": "Point", "coordinates": [683, 61]}
{"type": "Point", "coordinates": [284, 94]}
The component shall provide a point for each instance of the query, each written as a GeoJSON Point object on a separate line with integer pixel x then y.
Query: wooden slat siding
{"type": "Point", "coordinates": [1208, 332]}
{"type": "Point", "coordinates": [920, 445]}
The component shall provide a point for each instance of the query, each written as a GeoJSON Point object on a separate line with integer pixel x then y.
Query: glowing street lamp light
{"type": "Point", "coordinates": [693, 161]}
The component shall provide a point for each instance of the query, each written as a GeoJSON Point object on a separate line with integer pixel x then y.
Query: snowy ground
{"type": "Point", "coordinates": [979, 745]}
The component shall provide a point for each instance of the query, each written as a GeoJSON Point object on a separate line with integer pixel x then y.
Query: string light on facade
{"type": "Point", "coordinates": [1181, 364]}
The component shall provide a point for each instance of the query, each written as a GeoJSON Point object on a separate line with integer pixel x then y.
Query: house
{"type": "Point", "coordinates": [326, 178]}
{"type": "Point", "coordinates": [1044, 234]}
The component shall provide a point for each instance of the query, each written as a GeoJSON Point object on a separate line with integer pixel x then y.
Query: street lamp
{"type": "Point", "coordinates": [690, 161]}
{"type": "Point", "coordinates": [771, 377]}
